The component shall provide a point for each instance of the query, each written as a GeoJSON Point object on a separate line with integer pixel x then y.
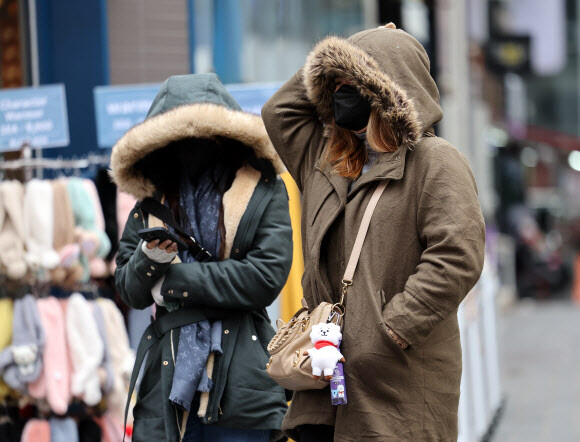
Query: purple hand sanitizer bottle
{"type": "Point", "coordinates": [337, 383]}
{"type": "Point", "coordinates": [338, 386]}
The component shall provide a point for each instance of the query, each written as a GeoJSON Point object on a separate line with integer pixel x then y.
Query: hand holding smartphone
{"type": "Point", "coordinates": [167, 246]}
{"type": "Point", "coordinates": [165, 239]}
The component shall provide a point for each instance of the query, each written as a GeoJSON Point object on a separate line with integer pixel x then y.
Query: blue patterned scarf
{"type": "Point", "coordinates": [200, 206]}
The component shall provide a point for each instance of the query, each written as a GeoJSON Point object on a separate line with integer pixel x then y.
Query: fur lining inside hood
{"type": "Point", "coordinates": [187, 106]}
{"type": "Point", "coordinates": [387, 66]}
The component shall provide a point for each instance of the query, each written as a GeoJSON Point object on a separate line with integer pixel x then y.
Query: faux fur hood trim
{"type": "Point", "coordinates": [197, 120]}
{"type": "Point", "coordinates": [336, 57]}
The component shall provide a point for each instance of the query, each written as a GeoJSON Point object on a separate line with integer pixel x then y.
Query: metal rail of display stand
{"type": "Point", "coordinates": [30, 164]}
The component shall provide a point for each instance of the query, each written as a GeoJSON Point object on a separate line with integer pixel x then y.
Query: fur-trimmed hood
{"type": "Point", "coordinates": [187, 106]}
{"type": "Point", "coordinates": [386, 65]}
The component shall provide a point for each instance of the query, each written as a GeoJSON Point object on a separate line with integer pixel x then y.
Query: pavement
{"type": "Point", "coordinates": [540, 366]}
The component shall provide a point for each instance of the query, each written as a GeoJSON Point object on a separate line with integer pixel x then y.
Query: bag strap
{"type": "Point", "coordinates": [360, 238]}
{"type": "Point", "coordinates": [161, 211]}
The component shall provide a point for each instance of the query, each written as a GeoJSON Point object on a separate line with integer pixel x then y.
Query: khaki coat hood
{"type": "Point", "coordinates": [187, 106]}
{"type": "Point", "coordinates": [389, 67]}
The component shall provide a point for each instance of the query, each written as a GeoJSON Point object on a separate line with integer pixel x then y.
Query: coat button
{"type": "Point", "coordinates": [254, 338]}
{"type": "Point", "coordinates": [152, 267]}
{"type": "Point", "coordinates": [227, 332]}
{"type": "Point", "coordinates": [165, 363]}
{"type": "Point", "coordinates": [185, 294]}
{"type": "Point", "coordinates": [237, 250]}
{"type": "Point", "coordinates": [170, 291]}
{"type": "Point", "coordinates": [148, 273]}
{"type": "Point", "coordinates": [266, 180]}
{"type": "Point", "coordinates": [149, 337]}
{"type": "Point", "coordinates": [135, 215]}
{"type": "Point", "coordinates": [209, 418]}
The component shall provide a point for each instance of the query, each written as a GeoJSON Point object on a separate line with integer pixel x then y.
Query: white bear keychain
{"type": "Point", "coordinates": [326, 338]}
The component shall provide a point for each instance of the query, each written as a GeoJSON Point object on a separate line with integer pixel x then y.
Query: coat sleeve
{"type": "Point", "coordinates": [451, 227]}
{"type": "Point", "coordinates": [251, 283]}
{"type": "Point", "coordinates": [136, 274]}
{"type": "Point", "coordinates": [293, 126]}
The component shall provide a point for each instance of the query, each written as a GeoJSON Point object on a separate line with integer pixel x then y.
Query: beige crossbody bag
{"type": "Point", "coordinates": [288, 365]}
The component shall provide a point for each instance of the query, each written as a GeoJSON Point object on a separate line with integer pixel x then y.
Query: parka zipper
{"type": "Point", "coordinates": [267, 189]}
{"type": "Point", "coordinates": [180, 426]}
{"type": "Point", "coordinates": [142, 218]}
{"type": "Point", "coordinates": [266, 192]}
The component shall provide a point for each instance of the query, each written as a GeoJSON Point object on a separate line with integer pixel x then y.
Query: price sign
{"type": "Point", "coordinates": [35, 116]}
{"type": "Point", "coordinates": [119, 108]}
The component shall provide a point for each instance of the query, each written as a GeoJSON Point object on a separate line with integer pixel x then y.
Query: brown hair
{"type": "Point", "coordinates": [346, 153]}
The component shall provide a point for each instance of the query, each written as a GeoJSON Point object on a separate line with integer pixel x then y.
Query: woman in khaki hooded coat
{"type": "Point", "coordinates": [361, 111]}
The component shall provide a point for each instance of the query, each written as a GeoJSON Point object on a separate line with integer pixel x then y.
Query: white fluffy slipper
{"type": "Point", "coordinates": [11, 230]}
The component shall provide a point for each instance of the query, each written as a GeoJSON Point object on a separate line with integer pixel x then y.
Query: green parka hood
{"type": "Point", "coordinates": [186, 106]}
{"type": "Point", "coordinates": [387, 66]}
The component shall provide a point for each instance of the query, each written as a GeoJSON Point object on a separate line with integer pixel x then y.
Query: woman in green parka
{"type": "Point", "coordinates": [215, 169]}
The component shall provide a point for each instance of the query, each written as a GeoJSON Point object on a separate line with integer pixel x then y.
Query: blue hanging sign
{"type": "Point", "coordinates": [36, 116]}
{"type": "Point", "coordinates": [252, 96]}
{"type": "Point", "coordinates": [119, 108]}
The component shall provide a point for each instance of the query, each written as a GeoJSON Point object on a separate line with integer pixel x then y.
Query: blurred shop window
{"type": "Point", "coordinates": [11, 60]}
{"type": "Point", "coordinates": [203, 13]}
{"type": "Point", "coordinates": [278, 35]}
{"type": "Point", "coordinates": [148, 40]}
{"type": "Point", "coordinates": [415, 19]}
{"type": "Point", "coordinates": [545, 21]}
{"type": "Point", "coordinates": [552, 85]}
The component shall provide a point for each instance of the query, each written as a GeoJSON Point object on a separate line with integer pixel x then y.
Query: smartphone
{"type": "Point", "coordinates": [161, 234]}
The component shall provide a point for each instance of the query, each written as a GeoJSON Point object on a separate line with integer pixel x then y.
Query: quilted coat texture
{"type": "Point", "coordinates": [423, 253]}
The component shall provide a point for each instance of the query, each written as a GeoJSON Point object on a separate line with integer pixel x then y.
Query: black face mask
{"type": "Point", "coordinates": [351, 110]}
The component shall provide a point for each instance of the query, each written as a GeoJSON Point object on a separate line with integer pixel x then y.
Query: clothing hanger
{"type": "Point", "coordinates": [59, 173]}
{"type": "Point", "coordinates": [40, 289]}
{"type": "Point", "coordinates": [90, 291]}
{"type": "Point", "coordinates": [5, 417]}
